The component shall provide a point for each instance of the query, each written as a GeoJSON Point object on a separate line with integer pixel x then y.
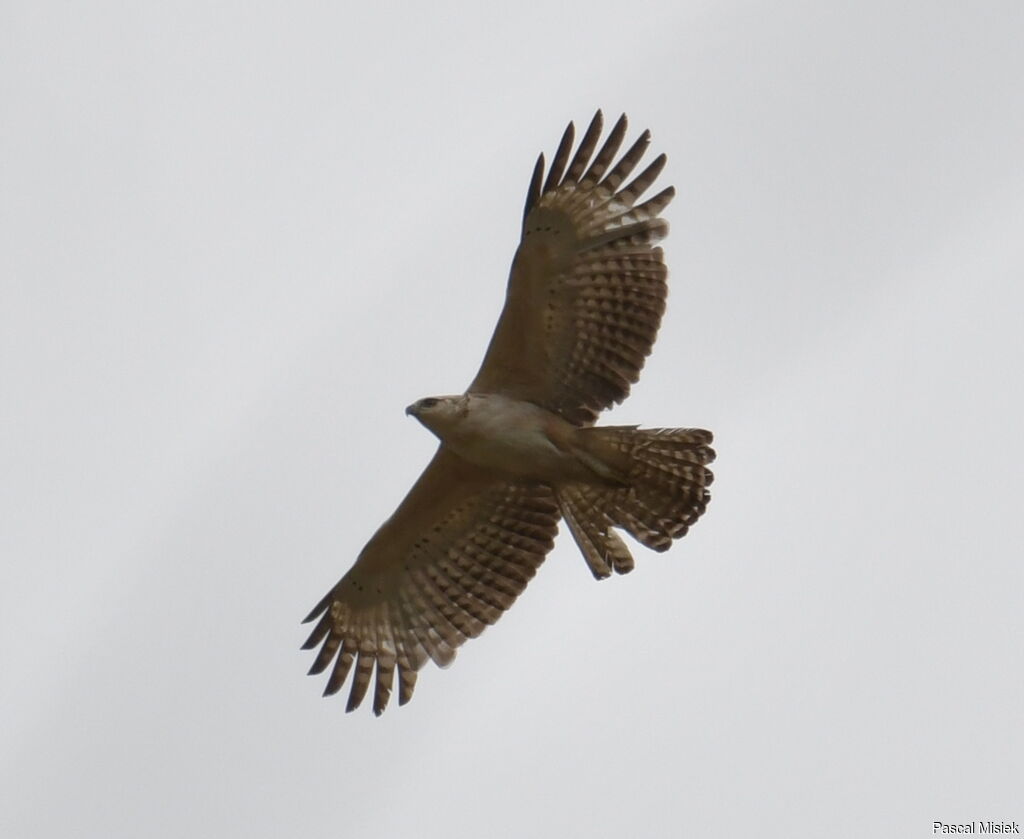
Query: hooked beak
{"type": "Point", "coordinates": [411, 410]}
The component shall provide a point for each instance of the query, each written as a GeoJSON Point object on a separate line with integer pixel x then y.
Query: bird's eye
{"type": "Point", "coordinates": [428, 403]}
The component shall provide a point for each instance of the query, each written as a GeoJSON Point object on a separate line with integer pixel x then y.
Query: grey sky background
{"type": "Point", "coordinates": [237, 240]}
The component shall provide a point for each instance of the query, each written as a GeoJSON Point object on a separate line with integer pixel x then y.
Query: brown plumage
{"type": "Point", "coordinates": [518, 451]}
{"type": "Point", "coordinates": [587, 290]}
{"type": "Point", "coordinates": [458, 551]}
{"type": "Point", "coordinates": [661, 489]}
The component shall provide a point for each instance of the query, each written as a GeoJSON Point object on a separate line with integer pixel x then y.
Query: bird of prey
{"type": "Point", "coordinates": [519, 449]}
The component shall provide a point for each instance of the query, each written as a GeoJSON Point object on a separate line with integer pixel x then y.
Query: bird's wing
{"type": "Point", "coordinates": [456, 554]}
{"type": "Point", "coordinates": [587, 288]}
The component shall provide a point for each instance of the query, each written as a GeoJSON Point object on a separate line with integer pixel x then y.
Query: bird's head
{"type": "Point", "coordinates": [439, 413]}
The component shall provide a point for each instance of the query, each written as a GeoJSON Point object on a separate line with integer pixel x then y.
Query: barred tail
{"type": "Point", "coordinates": [661, 480]}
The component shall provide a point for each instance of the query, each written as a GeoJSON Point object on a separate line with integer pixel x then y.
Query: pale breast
{"type": "Point", "coordinates": [509, 435]}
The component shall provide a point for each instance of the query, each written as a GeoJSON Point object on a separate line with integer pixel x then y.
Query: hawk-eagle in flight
{"type": "Point", "coordinates": [519, 449]}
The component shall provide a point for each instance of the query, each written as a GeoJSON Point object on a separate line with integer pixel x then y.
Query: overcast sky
{"type": "Point", "coordinates": [237, 239]}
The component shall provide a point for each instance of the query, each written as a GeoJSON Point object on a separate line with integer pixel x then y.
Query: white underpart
{"type": "Point", "coordinates": [505, 434]}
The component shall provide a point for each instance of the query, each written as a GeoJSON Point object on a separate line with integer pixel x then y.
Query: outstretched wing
{"type": "Point", "coordinates": [587, 288]}
{"type": "Point", "coordinates": [457, 552]}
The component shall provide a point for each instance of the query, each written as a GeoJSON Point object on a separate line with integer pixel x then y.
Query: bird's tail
{"type": "Point", "coordinates": [654, 486]}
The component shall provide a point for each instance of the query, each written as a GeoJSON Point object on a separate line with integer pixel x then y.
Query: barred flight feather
{"type": "Point", "coordinates": [589, 250]}
{"type": "Point", "coordinates": [662, 493]}
{"type": "Point", "coordinates": [458, 580]}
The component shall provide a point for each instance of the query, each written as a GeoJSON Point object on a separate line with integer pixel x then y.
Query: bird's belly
{"type": "Point", "coordinates": [519, 452]}
{"type": "Point", "coordinates": [513, 437]}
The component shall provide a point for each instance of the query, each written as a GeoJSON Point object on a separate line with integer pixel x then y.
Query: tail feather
{"type": "Point", "coordinates": [602, 548]}
{"type": "Point", "coordinates": [660, 489]}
